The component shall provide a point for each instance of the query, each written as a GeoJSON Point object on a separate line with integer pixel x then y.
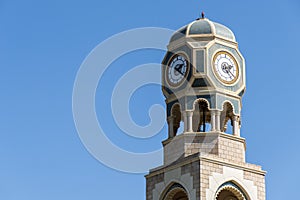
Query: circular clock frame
{"type": "Point", "coordinates": [222, 64]}
{"type": "Point", "coordinates": [180, 62]}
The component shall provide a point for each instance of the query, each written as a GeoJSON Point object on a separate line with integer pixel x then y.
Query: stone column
{"type": "Point", "coordinates": [218, 120]}
{"type": "Point", "coordinates": [188, 121]}
{"type": "Point", "coordinates": [236, 126]}
{"type": "Point", "coordinates": [170, 121]}
{"type": "Point", "coordinates": [213, 120]}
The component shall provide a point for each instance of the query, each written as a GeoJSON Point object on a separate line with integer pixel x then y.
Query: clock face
{"type": "Point", "coordinates": [225, 67]}
{"type": "Point", "coordinates": [176, 70]}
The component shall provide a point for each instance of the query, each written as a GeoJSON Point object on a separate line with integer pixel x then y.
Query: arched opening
{"type": "Point", "coordinates": [180, 195]}
{"type": "Point", "coordinates": [230, 191]}
{"type": "Point", "coordinates": [227, 118]}
{"type": "Point", "coordinates": [175, 121]}
{"type": "Point", "coordinates": [175, 192]}
{"type": "Point", "coordinates": [201, 117]}
{"type": "Point", "coordinates": [180, 128]}
{"type": "Point", "coordinates": [227, 195]}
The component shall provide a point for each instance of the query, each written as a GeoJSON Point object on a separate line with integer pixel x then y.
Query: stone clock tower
{"type": "Point", "coordinates": [203, 78]}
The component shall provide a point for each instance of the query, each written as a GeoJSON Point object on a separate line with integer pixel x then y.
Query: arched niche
{"type": "Point", "coordinates": [231, 191]}
{"type": "Point", "coordinates": [175, 192]}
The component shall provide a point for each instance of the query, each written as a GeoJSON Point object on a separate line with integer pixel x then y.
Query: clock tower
{"type": "Point", "coordinates": [203, 81]}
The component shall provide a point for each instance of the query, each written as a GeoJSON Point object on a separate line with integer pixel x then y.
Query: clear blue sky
{"type": "Point", "coordinates": [42, 45]}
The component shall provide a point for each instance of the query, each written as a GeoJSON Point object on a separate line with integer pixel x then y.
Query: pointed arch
{"type": "Point", "coordinates": [175, 191]}
{"type": "Point", "coordinates": [231, 190]}
{"type": "Point", "coordinates": [236, 176]}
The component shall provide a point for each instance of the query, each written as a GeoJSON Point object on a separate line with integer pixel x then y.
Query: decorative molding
{"type": "Point", "coordinates": [234, 175]}
{"type": "Point", "coordinates": [171, 177]}
{"type": "Point", "coordinates": [233, 189]}
{"type": "Point", "coordinates": [243, 167]}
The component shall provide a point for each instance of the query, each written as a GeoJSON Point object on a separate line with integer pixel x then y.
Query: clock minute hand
{"type": "Point", "coordinates": [178, 68]}
{"type": "Point", "coordinates": [229, 72]}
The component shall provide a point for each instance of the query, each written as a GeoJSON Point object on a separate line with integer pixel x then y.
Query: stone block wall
{"type": "Point", "coordinates": [227, 147]}
{"type": "Point", "coordinates": [201, 162]}
{"type": "Point", "coordinates": [259, 182]}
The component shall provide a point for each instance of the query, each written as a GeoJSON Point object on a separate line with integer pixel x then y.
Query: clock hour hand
{"type": "Point", "coordinates": [178, 68]}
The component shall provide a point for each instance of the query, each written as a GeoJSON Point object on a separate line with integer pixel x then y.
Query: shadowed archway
{"type": "Point", "coordinates": [175, 192]}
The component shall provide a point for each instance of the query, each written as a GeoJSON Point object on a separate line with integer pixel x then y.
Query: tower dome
{"type": "Point", "coordinates": [203, 27]}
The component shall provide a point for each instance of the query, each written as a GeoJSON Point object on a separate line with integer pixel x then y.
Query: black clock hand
{"type": "Point", "coordinates": [179, 72]}
{"type": "Point", "coordinates": [228, 70]}
{"type": "Point", "coordinates": [231, 74]}
{"type": "Point", "coordinates": [178, 68]}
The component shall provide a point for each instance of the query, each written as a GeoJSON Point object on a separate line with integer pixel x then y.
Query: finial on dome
{"type": "Point", "coordinates": [202, 15]}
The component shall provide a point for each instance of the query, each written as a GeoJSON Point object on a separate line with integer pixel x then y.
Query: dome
{"type": "Point", "coordinates": [202, 28]}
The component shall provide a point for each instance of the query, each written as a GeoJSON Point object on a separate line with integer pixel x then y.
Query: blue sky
{"type": "Point", "coordinates": [42, 45]}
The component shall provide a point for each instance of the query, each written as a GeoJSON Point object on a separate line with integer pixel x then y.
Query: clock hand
{"type": "Point", "coordinates": [230, 73]}
{"type": "Point", "coordinates": [180, 72]}
{"type": "Point", "coordinates": [178, 68]}
{"type": "Point", "coordinates": [228, 70]}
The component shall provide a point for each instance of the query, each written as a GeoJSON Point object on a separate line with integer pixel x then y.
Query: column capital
{"type": "Point", "coordinates": [188, 120]}
{"type": "Point", "coordinates": [189, 113]}
{"type": "Point", "coordinates": [217, 112]}
{"type": "Point", "coordinates": [217, 120]}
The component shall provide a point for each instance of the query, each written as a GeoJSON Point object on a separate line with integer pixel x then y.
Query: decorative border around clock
{"type": "Point", "coordinates": [227, 83]}
{"type": "Point", "coordinates": [183, 54]}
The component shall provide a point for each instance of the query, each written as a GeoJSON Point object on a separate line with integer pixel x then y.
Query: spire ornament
{"type": "Point", "coordinates": [202, 15]}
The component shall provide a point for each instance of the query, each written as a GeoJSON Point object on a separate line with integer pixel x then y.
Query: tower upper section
{"type": "Point", "coordinates": [203, 78]}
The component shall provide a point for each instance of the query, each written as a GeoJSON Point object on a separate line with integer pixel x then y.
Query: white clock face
{"type": "Point", "coordinates": [225, 67]}
{"type": "Point", "coordinates": [176, 70]}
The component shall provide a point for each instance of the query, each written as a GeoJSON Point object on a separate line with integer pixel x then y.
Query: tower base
{"type": "Point", "coordinates": [206, 170]}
